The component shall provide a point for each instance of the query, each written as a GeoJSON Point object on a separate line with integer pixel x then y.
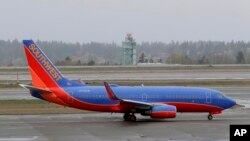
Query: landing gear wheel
{"type": "Point", "coordinates": [129, 117]}
{"type": "Point", "coordinates": [210, 117]}
{"type": "Point", "coordinates": [126, 116]}
{"type": "Point", "coordinates": [132, 118]}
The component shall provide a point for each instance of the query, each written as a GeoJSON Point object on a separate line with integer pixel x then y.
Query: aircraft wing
{"type": "Point", "coordinates": [138, 104]}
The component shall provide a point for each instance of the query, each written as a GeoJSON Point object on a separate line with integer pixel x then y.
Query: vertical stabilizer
{"type": "Point", "coordinates": [43, 71]}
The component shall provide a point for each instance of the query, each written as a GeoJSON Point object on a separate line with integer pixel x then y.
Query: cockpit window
{"type": "Point", "coordinates": [221, 95]}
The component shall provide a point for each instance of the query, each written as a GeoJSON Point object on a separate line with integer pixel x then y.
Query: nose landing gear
{"type": "Point", "coordinates": [210, 116]}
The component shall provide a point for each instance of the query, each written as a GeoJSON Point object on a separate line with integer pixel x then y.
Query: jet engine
{"type": "Point", "coordinates": [163, 111]}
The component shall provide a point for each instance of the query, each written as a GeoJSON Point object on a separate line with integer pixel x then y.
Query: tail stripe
{"type": "Point", "coordinates": [38, 69]}
{"type": "Point", "coordinates": [31, 49]}
{"type": "Point", "coordinates": [59, 89]}
{"type": "Point", "coordinates": [46, 63]}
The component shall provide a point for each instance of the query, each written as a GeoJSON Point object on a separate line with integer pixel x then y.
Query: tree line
{"type": "Point", "coordinates": [94, 53]}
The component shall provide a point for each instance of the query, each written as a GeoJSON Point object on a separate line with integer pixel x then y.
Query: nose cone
{"type": "Point", "coordinates": [230, 102]}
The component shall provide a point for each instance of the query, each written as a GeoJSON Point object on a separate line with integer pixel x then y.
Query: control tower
{"type": "Point", "coordinates": [128, 51]}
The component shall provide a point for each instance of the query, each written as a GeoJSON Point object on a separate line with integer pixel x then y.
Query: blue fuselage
{"type": "Point", "coordinates": [153, 94]}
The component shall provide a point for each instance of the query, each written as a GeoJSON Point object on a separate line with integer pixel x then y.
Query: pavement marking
{"type": "Point", "coordinates": [18, 139]}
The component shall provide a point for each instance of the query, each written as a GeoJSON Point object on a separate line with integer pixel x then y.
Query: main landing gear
{"type": "Point", "coordinates": [129, 117]}
{"type": "Point", "coordinates": [210, 116]}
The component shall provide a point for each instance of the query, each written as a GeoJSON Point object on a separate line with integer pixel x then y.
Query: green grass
{"type": "Point", "coordinates": [203, 83]}
{"type": "Point", "coordinates": [27, 107]}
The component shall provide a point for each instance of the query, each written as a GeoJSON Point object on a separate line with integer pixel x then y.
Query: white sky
{"type": "Point", "coordinates": [110, 20]}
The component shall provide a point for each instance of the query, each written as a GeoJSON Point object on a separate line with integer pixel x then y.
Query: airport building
{"type": "Point", "coordinates": [128, 51]}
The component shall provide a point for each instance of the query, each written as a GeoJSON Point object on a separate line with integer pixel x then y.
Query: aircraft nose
{"type": "Point", "coordinates": [231, 102]}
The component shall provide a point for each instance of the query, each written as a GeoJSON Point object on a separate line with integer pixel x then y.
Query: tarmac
{"type": "Point", "coordinates": [111, 127]}
{"type": "Point", "coordinates": [107, 126]}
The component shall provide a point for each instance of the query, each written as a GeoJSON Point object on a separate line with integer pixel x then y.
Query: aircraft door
{"type": "Point", "coordinates": [208, 97]}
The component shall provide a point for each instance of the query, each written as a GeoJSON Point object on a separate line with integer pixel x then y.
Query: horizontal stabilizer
{"type": "Point", "coordinates": [35, 89]}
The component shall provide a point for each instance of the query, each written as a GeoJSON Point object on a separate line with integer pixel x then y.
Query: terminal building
{"type": "Point", "coordinates": [128, 51]}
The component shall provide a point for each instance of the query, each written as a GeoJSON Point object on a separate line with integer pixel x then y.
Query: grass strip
{"type": "Point", "coordinates": [33, 107]}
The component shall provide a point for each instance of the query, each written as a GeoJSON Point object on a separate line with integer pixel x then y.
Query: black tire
{"type": "Point", "coordinates": [126, 116]}
{"type": "Point", "coordinates": [210, 117]}
{"type": "Point", "coordinates": [132, 118]}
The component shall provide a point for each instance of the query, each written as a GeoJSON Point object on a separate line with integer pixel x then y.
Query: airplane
{"type": "Point", "coordinates": [158, 102]}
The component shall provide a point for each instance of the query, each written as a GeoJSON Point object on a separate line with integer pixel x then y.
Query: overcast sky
{"type": "Point", "coordinates": [109, 20]}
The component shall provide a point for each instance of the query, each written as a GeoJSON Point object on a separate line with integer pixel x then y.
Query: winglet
{"type": "Point", "coordinates": [110, 92]}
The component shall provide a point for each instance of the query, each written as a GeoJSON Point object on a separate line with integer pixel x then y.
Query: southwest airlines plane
{"type": "Point", "coordinates": [154, 101]}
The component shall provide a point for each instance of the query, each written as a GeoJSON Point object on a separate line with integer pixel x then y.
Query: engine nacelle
{"type": "Point", "coordinates": [163, 111]}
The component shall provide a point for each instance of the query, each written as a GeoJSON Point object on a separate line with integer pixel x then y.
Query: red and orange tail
{"type": "Point", "coordinates": [43, 73]}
